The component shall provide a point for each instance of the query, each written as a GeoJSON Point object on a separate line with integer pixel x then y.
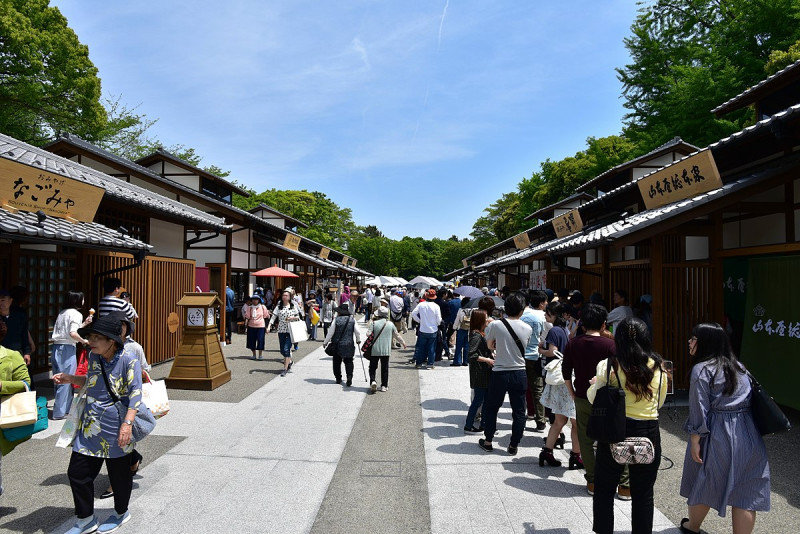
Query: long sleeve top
{"type": "Point", "coordinates": [429, 316]}
{"type": "Point", "coordinates": [13, 377]}
{"type": "Point", "coordinates": [641, 409]}
{"type": "Point", "coordinates": [383, 342]}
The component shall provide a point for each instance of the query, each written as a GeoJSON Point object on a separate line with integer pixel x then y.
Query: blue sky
{"type": "Point", "coordinates": [414, 114]}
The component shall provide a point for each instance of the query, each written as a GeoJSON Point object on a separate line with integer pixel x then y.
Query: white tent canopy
{"type": "Point", "coordinates": [384, 281]}
{"type": "Point", "coordinates": [433, 282]}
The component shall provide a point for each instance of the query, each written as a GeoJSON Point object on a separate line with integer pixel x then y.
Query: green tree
{"type": "Point", "coordinates": [48, 84]}
{"type": "Point", "coordinates": [780, 59]}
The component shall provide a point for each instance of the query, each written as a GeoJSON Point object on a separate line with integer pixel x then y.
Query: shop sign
{"type": "Point", "coordinates": [173, 321]}
{"type": "Point", "coordinates": [684, 179]}
{"type": "Point", "coordinates": [345, 259]}
{"type": "Point", "coordinates": [30, 189]}
{"type": "Point", "coordinates": [568, 224]}
{"type": "Point", "coordinates": [324, 253]}
{"type": "Point", "coordinates": [522, 240]}
{"type": "Point", "coordinates": [538, 279]}
{"type": "Point", "coordinates": [292, 241]}
{"type": "Point", "coordinates": [464, 262]}
{"type": "Point", "coordinates": [354, 262]}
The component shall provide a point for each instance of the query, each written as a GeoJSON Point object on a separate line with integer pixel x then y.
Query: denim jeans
{"type": "Point", "coordinates": [425, 347]}
{"type": "Point", "coordinates": [312, 328]}
{"type": "Point", "coordinates": [477, 402]}
{"type": "Point", "coordinates": [63, 361]}
{"type": "Point", "coordinates": [462, 346]}
{"type": "Point", "coordinates": [285, 344]}
{"type": "Point", "coordinates": [515, 383]}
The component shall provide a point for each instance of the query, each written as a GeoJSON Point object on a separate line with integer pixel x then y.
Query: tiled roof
{"type": "Point", "coordinates": [276, 212]}
{"type": "Point", "coordinates": [743, 98]}
{"type": "Point", "coordinates": [121, 190]}
{"type": "Point", "coordinates": [666, 147]}
{"type": "Point", "coordinates": [25, 226]}
{"type": "Point", "coordinates": [201, 172]}
{"type": "Point", "coordinates": [554, 205]}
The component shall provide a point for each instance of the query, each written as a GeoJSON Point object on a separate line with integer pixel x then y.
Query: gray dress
{"type": "Point", "coordinates": [734, 471]}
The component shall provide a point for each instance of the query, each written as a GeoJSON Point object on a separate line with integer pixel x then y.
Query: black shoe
{"type": "Point", "coordinates": [540, 427]}
{"type": "Point", "coordinates": [575, 461]}
{"type": "Point", "coordinates": [547, 456]}
{"type": "Point", "coordinates": [686, 530]}
{"type": "Point", "coordinates": [338, 379]}
{"type": "Point", "coordinates": [465, 364]}
{"type": "Point", "coordinates": [512, 450]}
{"type": "Point", "coordinates": [559, 442]}
{"type": "Point", "coordinates": [472, 429]}
{"type": "Point", "coordinates": [482, 443]}
{"type": "Point", "coordinates": [349, 382]}
{"type": "Point", "coordinates": [107, 493]}
{"type": "Point", "coordinates": [455, 364]}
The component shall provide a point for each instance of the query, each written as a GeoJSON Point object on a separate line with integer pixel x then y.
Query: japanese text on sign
{"type": "Point", "coordinates": [568, 224]}
{"type": "Point", "coordinates": [345, 259]}
{"type": "Point", "coordinates": [324, 253]}
{"type": "Point", "coordinates": [538, 279]}
{"type": "Point", "coordinates": [522, 240]}
{"type": "Point", "coordinates": [292, 241]}
{"type": "Point", "coordinates": [684, 179]}
{"type": "Point", "coordinates": [29, 189]}
{"type": "Point", "coordinates": [772, 327]}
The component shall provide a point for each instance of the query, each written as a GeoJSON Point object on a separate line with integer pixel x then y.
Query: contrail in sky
{"type": "Point", "coordinates": [441, 24]}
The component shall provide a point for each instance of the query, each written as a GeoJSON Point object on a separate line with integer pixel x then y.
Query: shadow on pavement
{"type": "Point", "coordinates": [445, 405]}
{"type": "Point", "coordinates": [44, 519]}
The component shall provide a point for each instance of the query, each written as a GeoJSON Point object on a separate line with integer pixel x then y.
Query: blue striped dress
{"type": "Point", "coordinates": [735, 471]}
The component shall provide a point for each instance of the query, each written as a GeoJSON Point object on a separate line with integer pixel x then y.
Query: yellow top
{"type": "Point", "coordinates": [642, 409]}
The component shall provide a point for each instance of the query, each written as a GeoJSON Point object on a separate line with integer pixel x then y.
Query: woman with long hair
{"type": "Point", "coordinates": [285, 312]}
{"type": "Point", "coordinates": [557, 397]}
{"type": "Point", "coordinates": [726, 460]}
{"type": "Point", "coordinates": [65, 339]}
{"type": "Point", "coordinates": [480, 366]}
{"type": "Point", "coordinates": [637, 370]}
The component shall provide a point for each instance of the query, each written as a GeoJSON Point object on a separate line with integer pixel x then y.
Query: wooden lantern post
{"type": "Point", "coordinates": [199, 363]}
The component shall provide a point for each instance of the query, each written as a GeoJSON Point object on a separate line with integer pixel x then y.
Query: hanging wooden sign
{"type": "Point", "coordinates": [344, 260]}
{"type": "Point", "coordinates": [354, 262]}
{"type": "Point", "coordinates": [323, 253]}
{"type": "Point", "coordinates": [522, 240]}
{"type": "Point", "coordinates": [292, 241]}
{"type": "Point", "coordinates": [30, 189]}
{"type": "Point", "coordinates": [683, 179]}
{"type": "Point", "coordinates": [464, 262]}
{"type": "Point", "coordinates": [568, 224]}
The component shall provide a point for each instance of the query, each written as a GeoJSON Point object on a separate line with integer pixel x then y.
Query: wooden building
{"type": "Point", "coordinates": [128, 233]}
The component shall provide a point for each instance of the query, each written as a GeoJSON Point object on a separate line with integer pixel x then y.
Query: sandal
{"type": "Point", "coordinates": [686, 530]}
{"type": "Point", "coordinates": [485, 445]}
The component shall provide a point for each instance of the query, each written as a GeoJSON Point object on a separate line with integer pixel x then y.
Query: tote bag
{"type": "Point", "coordinates": [24, 432]}
{"type": "Point", "coordinates": [71, 423]}
{"type": "Point", "coordinates": [154, 396]}
{"type": "Point", "coordinates": [554, 376]}
{"type": "Point", "coordinates": [607, 420]}
{"type": "Point", "coordinates": [19, 409]}
{"type": "Point", "coordinates": [298, 331]}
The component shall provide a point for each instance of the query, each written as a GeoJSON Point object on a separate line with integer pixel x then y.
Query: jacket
{"type": "Point", "coordinates": [479, 372]}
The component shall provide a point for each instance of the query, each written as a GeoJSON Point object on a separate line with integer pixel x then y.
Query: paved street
{"type": "Point", "coordinates": [302, 454]}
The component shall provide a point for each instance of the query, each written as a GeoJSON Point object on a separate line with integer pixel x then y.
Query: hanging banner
{"type": "Point", "coordinates": [568, 224]}
{"type": "Point", "coordinates": [354, 262]}
{"type": "Point", "coordinates": [683, 179]}
{"type": "Point", "coordinates": [345, 259]}
{"type": "Point", "coordinates": [292, 241]}
{"type": "Point", "coordinates": [771, 330]}
{"type": "Point", "coordinates": [522, 240]}
{"type": "Point", "coordinates": [464, 262]}
{"type": "Point", "coordinates": [324, 253]}
{"type": "Point", "coordinates": [538, 279]}
{"type": "Point", "coordinates": [30, 189]}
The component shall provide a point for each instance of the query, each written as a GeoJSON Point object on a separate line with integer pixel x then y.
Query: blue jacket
{"type": "Point", "coordinates": [230, 298]}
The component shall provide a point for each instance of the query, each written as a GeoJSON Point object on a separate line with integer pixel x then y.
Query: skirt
{"type": "Point", "coordinates": [255, 338]}
{"type": "Point", "coordinates": [558, 400]}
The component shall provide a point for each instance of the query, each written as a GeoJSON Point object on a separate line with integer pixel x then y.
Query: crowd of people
{"type": "Point", "coordinates": [551, 354]}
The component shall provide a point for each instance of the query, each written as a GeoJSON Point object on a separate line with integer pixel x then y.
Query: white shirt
{"type": "Point", "coordinates": [67, 322]}
{"type": "Point", "coordinates": [370, 295]}
{"type": "Point", "coordinates": [396, 303]}
{"type": "Point", "coordinates": [429, 316]}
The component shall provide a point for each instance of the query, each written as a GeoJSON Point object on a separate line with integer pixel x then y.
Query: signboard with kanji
{"type": "Point", "coordinates": [30, 189]}
{"type": "Point", "coordinates": [354, 262]}
{"type": "Point", "coordinates": [324, 253]}
{"type": "Point", "coordinates": [683, 179]}
{"type": "Point", "coordinates": [538, 279]}
{"type": "Point", "coordinates": [522, 240]}
{"type": "Point", "coordinates": [292, 241]}
{"type": "Point", "coordinates": [568, 224]}
{"type": "Point", "coordinates": [464, 262]}
{"type": "Point", "coordinates": [345, 259]}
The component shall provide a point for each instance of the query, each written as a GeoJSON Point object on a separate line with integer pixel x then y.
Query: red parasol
{"type": "Point", "coordinates": [275, 271]}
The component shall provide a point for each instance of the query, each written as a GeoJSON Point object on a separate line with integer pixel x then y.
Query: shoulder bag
{"type": "Point", "coordinates": [553, 370]}
{"type": "Point", "coordinates": [768, 416]}
{"type": "Point", "coordinates": [143, 423]}
{"type": "Point", "coordinates": [514, 336]}
{"type": "Point", "coordinates": [72, 422]}
{"type": "Point", "coordinates": [607, 421]}
{"type": "Point", "coordinates": [366, 347]}
{"type": "Point", "coordinates": [636, 450]}
{"type": "Point", "coordinates": [332, 347]}
{"type": "Point", "coordinates": [19, 409]}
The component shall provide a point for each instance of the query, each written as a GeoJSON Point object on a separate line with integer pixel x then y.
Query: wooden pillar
{"type": "Point", "coordinates": [605, 281]}
{"type": "Point", "coordinates": [717, 312]}
{"type": "Point", "coordinates": [657, 291]}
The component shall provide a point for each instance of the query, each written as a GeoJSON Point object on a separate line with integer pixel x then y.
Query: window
{"type": "Point", "coordinates": [215, 190]}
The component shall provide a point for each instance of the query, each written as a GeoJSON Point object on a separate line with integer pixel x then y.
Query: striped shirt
{"type": "Point", "coordinates": [109, 304]}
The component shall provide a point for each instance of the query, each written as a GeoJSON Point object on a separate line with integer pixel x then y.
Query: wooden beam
{"type": "Point", "coordinates": [764, 249]}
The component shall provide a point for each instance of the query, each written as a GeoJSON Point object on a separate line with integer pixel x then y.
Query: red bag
{"type": "Point", "coordinates": [83, 364]}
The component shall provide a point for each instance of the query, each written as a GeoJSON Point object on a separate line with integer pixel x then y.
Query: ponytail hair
{"type": "Point", "coordinates": [634, 349]}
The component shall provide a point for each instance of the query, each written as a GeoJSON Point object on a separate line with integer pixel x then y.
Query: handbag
{"type": "Point", "coordinates": [72, 422]}
{"type": "Point", "coordinates": [366, 347]}
{"type": "Point", "coordinates": [19, 409]}
{"type": "Point", "coordinates": [553, 370]}
{"type": "Point", "coordinates": [607, 421]}
{"type": "Point", "coordinates": [633, 451]}
{"type": "Point", "coordinates": [314, 317]}
{"type": "Point", "coordinates": [154, 395]}
{"type": "Point", "coordinates": [19, 433]}
{"type": "Point", "coordinates": [143, 423]}
{"type": "Point", "coordinates": [767, 415]}
{"type": "Point", "coordinates": [298, 331]}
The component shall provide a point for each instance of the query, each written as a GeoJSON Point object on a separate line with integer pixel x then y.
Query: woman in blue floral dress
{"type": "Point", "coordinates": [104, 434]}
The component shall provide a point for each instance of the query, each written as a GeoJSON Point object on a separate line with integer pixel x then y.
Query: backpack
{"type": "Point", "coordinates": [465, 320]}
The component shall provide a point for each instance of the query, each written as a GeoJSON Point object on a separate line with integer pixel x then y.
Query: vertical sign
{"type": "Point", "coordinates": [345, 260]}
{"type": "Point", "coordinates": [522, 240]}
{"type": "Point", "coordinates": [683, 179]}
{"type": "Point", "coordinates": [568, 224]}
{"type": "Point", "coordinates": [538, 279]}
{"type": "Point", "coordinates": [464, 262]}
{"type": "Point", "coordinates": [324, 253]}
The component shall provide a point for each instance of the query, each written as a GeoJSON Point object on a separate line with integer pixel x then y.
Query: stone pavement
{"type": "Point", "coordinates": [302, 454]}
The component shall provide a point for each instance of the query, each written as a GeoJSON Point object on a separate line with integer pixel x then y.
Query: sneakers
{"type": "Point", "coordinates": [384, 389]}
{"type": "Point", "coordinates": [472, 429]}
{"type": "Point", "coordinates": [373, 386]}
{"type": "Point", "coordinates": [418, 366]}
{"type": "Point", "coordinates": [487, 446]}
{"type": "Point", "coordinates": [90, 526]}
{"type": "Point", "coordinates": [430, 368]}
{"type": "Point", "coordinates": [283, 373]}
{"type": "Point", "coordinates": [114, 522]}
{"type": "Point", "coordinates": [590, 488]}
{"type": "Point", "coordinates": [623, 493]}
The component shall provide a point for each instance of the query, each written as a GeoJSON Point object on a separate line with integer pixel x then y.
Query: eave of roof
{"type": "Point", "coordinates": [575, 196]}
{"type": "Point", "coordinates": [169, 156]}
{"type": "Point", "coordinates": [751, 94]}
{"type": "Point", "coordinates": [297, 222]}
{"type": "Point", "coordinates": [120, 190]}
